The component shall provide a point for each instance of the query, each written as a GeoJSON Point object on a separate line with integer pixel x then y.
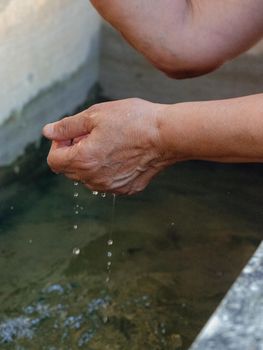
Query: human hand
{"type": "Point", "coordinates": [110, 147]}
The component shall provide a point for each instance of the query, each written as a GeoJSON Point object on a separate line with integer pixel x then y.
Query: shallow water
{"type": "Point", "coordinates": [177, 249]}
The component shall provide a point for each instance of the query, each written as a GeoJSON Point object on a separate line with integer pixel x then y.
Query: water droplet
{"type": "Point", "coordinates": [109, 254]}
{"type": "Point", "coordinates": [81, 208]}
{"type": "Point", "coordinates": [12, 207]}
{"type": "Point", "coordinates": [107, 279]}
{"type": "Point", "coordinates": [76, 212]}
{"type": "Point", "coordinates": [76, 251]}
{"type": "Point", "coordinates": [172, 223]}
{"type": "Point", "coordinates": [30, 241]}
{"type": "Point", "coordinates": [76, 183]}
{"type": "Point", "coordinates": [76, 194]}
{"type": "Point", "coordinates": [110, 242]}
{"type": "Point", "coordinates": [75, 227]}
{"type": "Point", "coordinates": [95, 193]}
{"type": "Point", "coordinates": [109, 263]}
{"type": "Point", "coordinates": [103, 195]}
{"type": "Point", "coordinates": [77, 205]}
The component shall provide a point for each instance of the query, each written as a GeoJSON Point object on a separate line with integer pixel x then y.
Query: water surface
{"type": "Point", "coordinates": [177, 249]}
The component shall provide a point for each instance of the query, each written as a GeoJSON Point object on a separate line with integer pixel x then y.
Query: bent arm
{"type": "Point", "coordinates": [186, 38]}
{"type": "Point", "coordinates": [223, 131]}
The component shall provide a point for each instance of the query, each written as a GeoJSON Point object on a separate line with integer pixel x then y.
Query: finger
{"type": "Point", "coordinates": [69, 127]}
{"type": "Point", "coordinates": [72, 176]}
{"type": "Point", "coordinates": [124, 181]}
{"type": "Point", "coordinates": [122, 190]}
{"type": "Point", "coordinates": [60, 157]}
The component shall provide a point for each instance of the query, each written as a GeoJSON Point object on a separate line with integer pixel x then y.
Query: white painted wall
{"type": "Point", "coordinates": [42, 42]}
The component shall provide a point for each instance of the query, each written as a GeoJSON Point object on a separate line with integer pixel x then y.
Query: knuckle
{"type": "Point", "coordinates": [93, 109]}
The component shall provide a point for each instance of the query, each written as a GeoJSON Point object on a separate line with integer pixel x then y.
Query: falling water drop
{"type": "Point", "coordinates": [75, 227]}
{"type": "Point", "coordinates": [76, 194]}
{"type": "Point", "coordinates": [76, 251]}
{"type": "Point", "coordinates": [76, 183]}
{"type": "Point", "coordinates": [95, 193]}
{"type": "Point", "coordinates": [76, 212]}
{"type": "Point", "coordinates": [103, 195]}
{"type": "Point", "coordinates": [110, 242]}
{"type": "Point", "coordinates": [109, 254]}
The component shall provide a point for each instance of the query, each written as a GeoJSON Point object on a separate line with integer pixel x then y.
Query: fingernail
{"type": "Point", "coordinates": [48, 130]}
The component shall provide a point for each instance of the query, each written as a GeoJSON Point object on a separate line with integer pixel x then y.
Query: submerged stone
{"type": "Point", "coordinates": [86, 338]}
{"type": "Point", "coordinates": [17, 328]}
{"type": "Point", "coordinates": [54, 288]}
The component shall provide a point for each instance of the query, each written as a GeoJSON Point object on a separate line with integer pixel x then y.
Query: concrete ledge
{"type": "Point", "coordinates": [237, 324]}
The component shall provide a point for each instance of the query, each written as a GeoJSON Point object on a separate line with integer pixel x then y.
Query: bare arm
{"type": "Point", "coordinates": [224, 131]}
{"type": "Point", "coordinates": [120, 146]}
{"type": "Point", "coordinates": [185, 38]}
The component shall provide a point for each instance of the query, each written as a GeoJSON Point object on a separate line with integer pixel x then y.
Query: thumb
{"type": "Point", "coordinates": [69, 127]}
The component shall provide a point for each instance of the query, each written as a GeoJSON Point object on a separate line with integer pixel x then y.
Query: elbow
{"type": "Point", "coordinates": [187, 67]}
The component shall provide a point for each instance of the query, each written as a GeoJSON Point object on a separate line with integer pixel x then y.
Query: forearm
{"type": "Point", "coordinates": [224, 131]}
{"type": "Point", "coordinates": [185, 38]}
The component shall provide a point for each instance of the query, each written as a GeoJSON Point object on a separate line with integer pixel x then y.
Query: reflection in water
{"type": "Point", "coordinates": [180, 246]}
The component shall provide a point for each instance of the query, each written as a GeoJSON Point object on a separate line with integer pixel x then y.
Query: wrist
{"type": "Point", "coordinates": [176, 138]}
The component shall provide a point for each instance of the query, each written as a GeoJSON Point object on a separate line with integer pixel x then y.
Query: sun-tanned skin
{"type": "Point", "coordinates": [120, 146]}
{"type": "Point", "coordinates": [186, 38]}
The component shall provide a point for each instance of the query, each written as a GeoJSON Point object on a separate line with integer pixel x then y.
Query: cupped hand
{"type": "Point", "coordinates": [110, 147]}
